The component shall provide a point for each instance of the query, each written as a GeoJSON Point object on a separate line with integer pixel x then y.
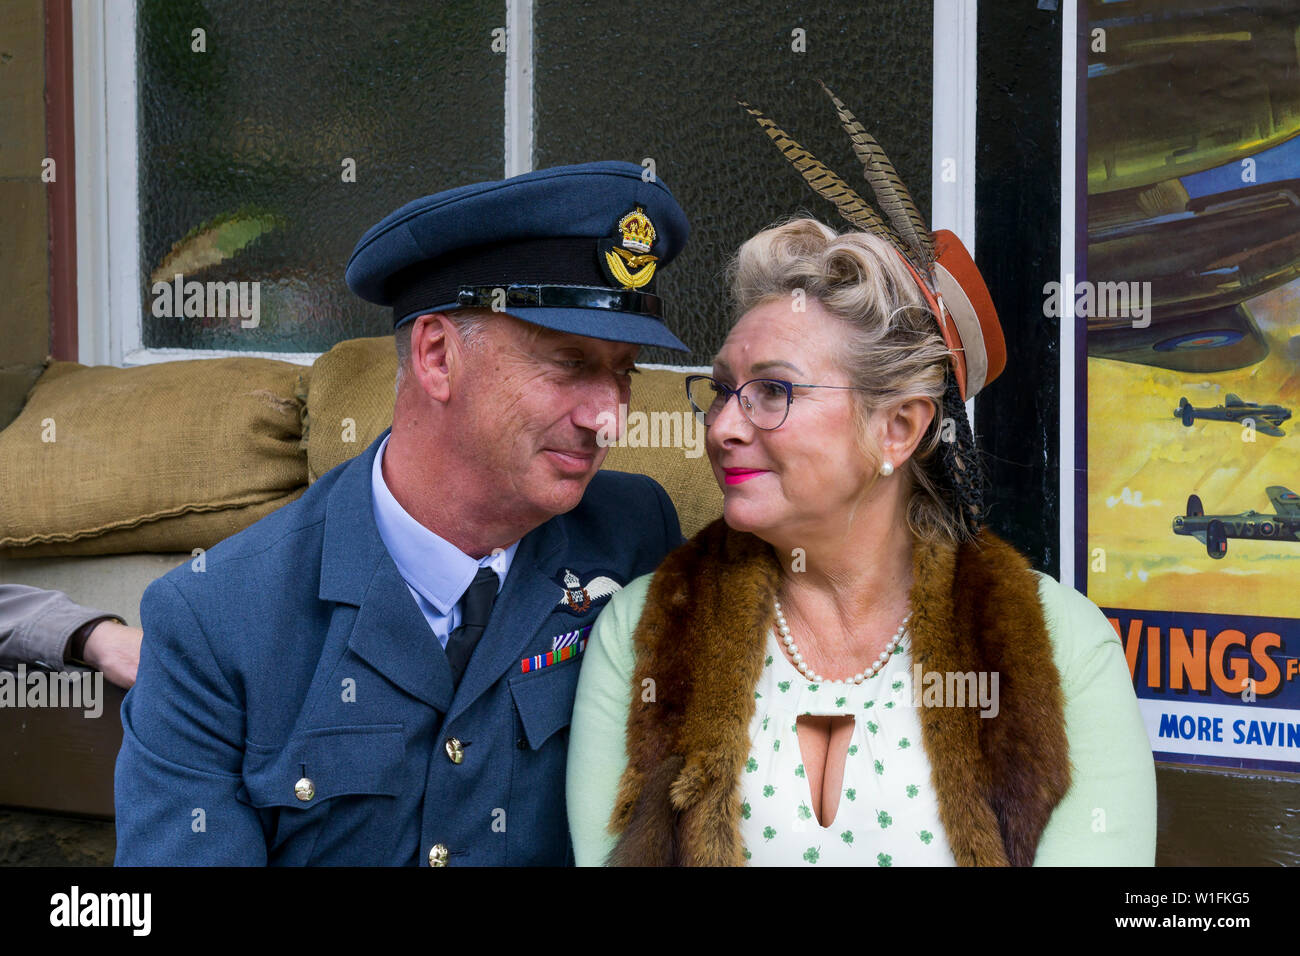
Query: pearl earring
{"type": "Point", "coordinates": [886, 469]}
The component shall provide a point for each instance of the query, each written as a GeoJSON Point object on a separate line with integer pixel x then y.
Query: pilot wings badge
{"type": "Point", "coordinates": [577, 597]}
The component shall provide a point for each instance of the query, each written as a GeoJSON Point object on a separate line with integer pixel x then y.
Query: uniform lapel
{"type": "Point", "coordinates": [389, 631]}
{"type": "Point", "coordinates": [523, 604]}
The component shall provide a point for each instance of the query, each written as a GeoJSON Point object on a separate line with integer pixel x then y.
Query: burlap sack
{"type": "Point", "coordinates": [350, 403]}
{"type": "Point", "coordinates": [165, 458]}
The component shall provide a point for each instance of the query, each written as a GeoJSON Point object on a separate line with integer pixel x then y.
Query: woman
{"type": "Point", "coordinates": [846, 668]}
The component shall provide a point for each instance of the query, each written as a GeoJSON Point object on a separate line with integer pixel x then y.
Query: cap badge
{"type": "Point", "coordinates": [626, 258]}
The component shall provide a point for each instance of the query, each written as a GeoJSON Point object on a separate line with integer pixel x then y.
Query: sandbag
{"type": "Point", "coordinates": [349, 401]}
{"type": "Point", "coordinates": [162, 458]}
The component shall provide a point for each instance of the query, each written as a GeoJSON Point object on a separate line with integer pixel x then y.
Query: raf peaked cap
{"type": "Point", "coordinates": [572, 248]}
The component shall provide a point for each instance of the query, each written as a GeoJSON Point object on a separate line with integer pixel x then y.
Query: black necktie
{"type": "Point", "coordinates": [475, 609]}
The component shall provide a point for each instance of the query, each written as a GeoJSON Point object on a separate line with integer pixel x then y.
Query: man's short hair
{"type": "Point", "coordinates": [469, 324]}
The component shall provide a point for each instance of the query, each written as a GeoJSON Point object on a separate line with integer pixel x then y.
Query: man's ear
{"type": "Point", "coordinates": [433, 354]}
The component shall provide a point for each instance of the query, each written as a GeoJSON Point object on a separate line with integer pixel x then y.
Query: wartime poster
{"type": "Point", "coordinates": [1191, 299]}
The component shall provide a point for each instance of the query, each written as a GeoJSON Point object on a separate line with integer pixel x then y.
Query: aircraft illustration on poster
{"type": "Point", "coordinates": [1214, 530]}
{"type": "Point", "coordinates": [1265, 418]}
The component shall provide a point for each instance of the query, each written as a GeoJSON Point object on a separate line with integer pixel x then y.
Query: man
{"type": "Point", "coordinates": [49, 630]}
{"type": "Point", "coordinates": [382, 672]}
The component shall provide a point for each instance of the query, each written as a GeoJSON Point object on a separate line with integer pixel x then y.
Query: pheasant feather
{"type": "Point", "coordinates": [891, 193]}
{"type": "Point", "coordinates": [825, 182]}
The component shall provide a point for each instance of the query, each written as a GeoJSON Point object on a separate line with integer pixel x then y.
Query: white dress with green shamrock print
{"type": "Point", "coordinates": [888, 814]}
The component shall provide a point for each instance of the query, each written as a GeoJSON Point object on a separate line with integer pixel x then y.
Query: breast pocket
{"type": "Point", "coordinates": [335, 779]}
{"type": "Point", "coordinates": [544, 700]}
{"type": "Point", "coordinates": [544, 707]}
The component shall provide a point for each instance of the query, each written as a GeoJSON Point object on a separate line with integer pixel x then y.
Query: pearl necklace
{"type": "Point", "coordinates": [793, 649]}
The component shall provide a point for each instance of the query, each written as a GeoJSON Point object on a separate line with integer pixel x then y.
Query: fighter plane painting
{"type": "Point", "coordinates": [1214, 530]}
{"type": "Point", "coordinates": [1265, 418]}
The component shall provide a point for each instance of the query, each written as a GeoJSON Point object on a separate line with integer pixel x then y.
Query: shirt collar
{"type": "Point", "coordinates": [434, 567]}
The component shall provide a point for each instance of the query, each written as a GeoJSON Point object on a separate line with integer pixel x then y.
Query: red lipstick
{"type": "Point", "coordinates": [734, 476]}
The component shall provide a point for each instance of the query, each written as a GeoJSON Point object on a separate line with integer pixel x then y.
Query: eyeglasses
{"type": "Point", "coordinates": [765, 401]}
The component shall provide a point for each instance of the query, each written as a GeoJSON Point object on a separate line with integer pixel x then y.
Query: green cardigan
{"type": "Point", "coordinates": [1108, 817]}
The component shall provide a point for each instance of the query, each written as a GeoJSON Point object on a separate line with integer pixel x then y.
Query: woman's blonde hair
{"type": "Point", "coordinates": [894, 348]}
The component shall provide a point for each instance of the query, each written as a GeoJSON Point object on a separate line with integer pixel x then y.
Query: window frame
{"type": "Point", "coordinates": [108, 232]}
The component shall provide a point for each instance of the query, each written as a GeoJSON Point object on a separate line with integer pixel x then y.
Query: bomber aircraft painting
{"type": "Point", "coordinates": [1214, 530]}
{"type": "Point", "coordinates": [1265, 418]}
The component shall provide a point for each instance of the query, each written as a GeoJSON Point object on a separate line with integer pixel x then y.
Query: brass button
{"type": "Point", "coordinates": [438, 855]}
{"type": "Point", "coordinates": [455, 750]}
{"type": "Point", "coordinates": [304, 789]}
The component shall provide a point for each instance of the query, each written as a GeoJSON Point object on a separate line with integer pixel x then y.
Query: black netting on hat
{"type": "Point", "coordinates": [962, 473]}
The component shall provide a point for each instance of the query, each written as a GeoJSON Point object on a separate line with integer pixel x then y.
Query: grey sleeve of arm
{"type": "Point", "coordinates": [35, 624]}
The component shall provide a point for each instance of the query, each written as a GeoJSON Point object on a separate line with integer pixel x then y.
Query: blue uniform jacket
{"type": "Point", "coordinates": [299, 652]}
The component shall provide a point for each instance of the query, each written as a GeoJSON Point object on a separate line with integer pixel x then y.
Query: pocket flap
{"type": "Point", "coordinates": [544, 699]}
{"type": "Point", "coordinates": [337, 761]}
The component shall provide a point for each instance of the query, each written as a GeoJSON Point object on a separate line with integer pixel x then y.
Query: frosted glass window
{"type": "Point", "coordinates": [660, 80]}
{"type": "Point", "coordinates": [242, 149]}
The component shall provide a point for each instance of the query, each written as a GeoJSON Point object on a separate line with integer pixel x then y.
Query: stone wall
{"type": "Point", "coordinates": [24, 229]}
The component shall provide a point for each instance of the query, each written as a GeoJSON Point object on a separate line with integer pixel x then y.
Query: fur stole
{"type": "Point", "coordinates": [702, 641]}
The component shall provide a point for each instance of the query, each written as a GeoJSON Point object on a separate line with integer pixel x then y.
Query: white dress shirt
{"type": "Point", "coordinates": [436, 571]}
